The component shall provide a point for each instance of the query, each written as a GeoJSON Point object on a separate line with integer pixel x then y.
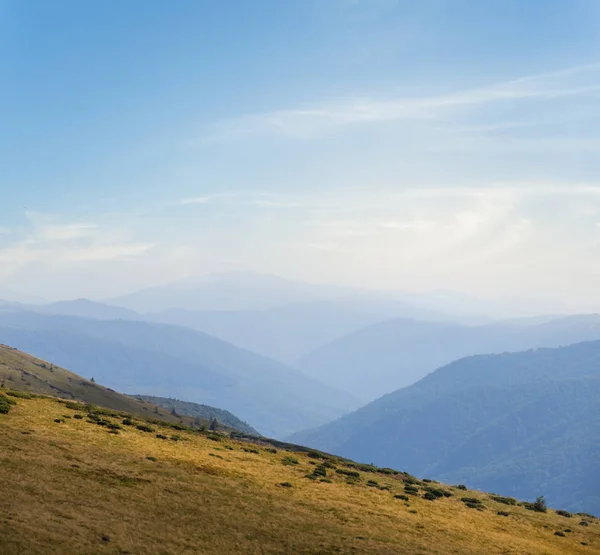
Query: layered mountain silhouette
{"type": "Point", "coordinates": [171, 361]}
{"type": "Point", "coordinates": [388, 355]}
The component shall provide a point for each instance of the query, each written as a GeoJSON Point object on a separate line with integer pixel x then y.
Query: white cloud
{"type": "Point", "coordinates": [311, 121]}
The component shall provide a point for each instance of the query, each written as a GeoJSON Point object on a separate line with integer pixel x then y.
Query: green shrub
{"type": "Point", "coordinates": [320, 471]}
{"type": "Point", "coordinates": [112, 426]}
{"type": "Point", "coordinates": [584, 523]}
{"type": "Point", "coordinates": [326, 481]}
{"type": "Point", "coordinates": [503, 513]}
{"type": "Point", "coordinates": [59, 420]}
{"type": "Point", "coordinates": [351, 473]}
{"type": "Point", "coordinates": [269, 450]}
{"type": "Point", "coordinates": [20, 394]}
{"type": "Point", "coordinates": [144, 428]}
{"type": "Point", "coordinates": [372, 483]}
{"type": "Point", "coordinates": [411, 490]}
{"type": "Point", "coordinates": [566, 514]}
{"type": "Point", "coordinates": [559, 533]}
{"type": "Point", "coordinates": [540, 505]}
{"type": "Point", "coordinates": [430, 496]}
{"type": "Point", "coordinates": [115, 432]}
{"type": "Point", "coordinates": [251, 450]}
{"type": "Point", "coordinates": [286, 485]}
{"type": "Point", "coordinates": [438, 492]}
{"type": "Point", "coordinates": [289, 461]}
{"type": "Point", "coordinates": [161, 436]}
{"type": "Point", "coordinates": [504, 500]}
{"type": "Point", "coordinates": [78, 417]}
{"type": "Point", "coordinates": [473, 503]}
{"type": "Point", "coordinates": [128, 422]}
{"type": "Point", "coordinates": [401, 496]}
{"type": "Point", "coordinates": [5, 404]}
{"type": "Point", "coordinates": [461, 486]}
{"type": "Point", "coordinates": [150, 458]}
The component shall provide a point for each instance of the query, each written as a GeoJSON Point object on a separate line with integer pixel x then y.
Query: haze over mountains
{"type": "Point", "coordinates": [398, 352]}
{"type": "Point", "coordinates": [298, 360]}
{"type": "Point", "coordinates": [155, 359]}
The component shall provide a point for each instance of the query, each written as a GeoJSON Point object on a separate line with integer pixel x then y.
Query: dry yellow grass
{"type": "Point", "coordinates": [72, 487]}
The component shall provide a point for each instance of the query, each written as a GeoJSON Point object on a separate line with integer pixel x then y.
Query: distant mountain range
{"type": "Point", "coordinates": [520, 424]}
{"type": "Point", "coordinates": [171, 361]}
{"type": "Point", "coordinates": [388, 355]}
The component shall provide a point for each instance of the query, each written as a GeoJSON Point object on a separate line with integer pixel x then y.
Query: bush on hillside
{"type": "Point", "coordinates": [351, 473]}
{"type": "Point", "coordinates": [144, 428]}
{"type": "Point", "coordinates": [20, 394]}
{"type": "Point", "coordinates": [5, 404]}
{"type": "Point", "coordinates": [539, 505]}
{"type": "Point", "coordinates": [504, 500]}
{"type": "Point", "coordinates": [503, 513]}
{"type": "Point", "coordinates": [289, 461]}
{"type": "Point", "coordinates": [566, 514]}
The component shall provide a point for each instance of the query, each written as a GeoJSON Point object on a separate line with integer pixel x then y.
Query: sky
{"type": "Point", "coordinates": [388, 144]}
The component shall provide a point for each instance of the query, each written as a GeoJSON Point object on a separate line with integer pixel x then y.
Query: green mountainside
{"type": "Point", "coordinates": [521, 424]}
{"type": "Point", "coordinates": [196, 410]}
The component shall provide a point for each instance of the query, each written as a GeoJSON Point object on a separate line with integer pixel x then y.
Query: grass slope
{"type": "Point", "coordinates": [71, 486]}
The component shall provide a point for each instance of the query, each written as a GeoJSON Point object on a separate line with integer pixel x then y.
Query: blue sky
{"type": "Point", "coordinates": [388, 144]}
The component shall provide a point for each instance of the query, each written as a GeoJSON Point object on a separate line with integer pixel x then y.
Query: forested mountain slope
{"type": "Point", "coordinates": [517, 423]}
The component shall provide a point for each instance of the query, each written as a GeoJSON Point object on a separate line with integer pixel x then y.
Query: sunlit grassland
{"type": "Point", "coordinates": [74, 487]}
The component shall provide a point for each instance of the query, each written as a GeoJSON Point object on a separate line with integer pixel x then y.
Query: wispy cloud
{"type": "Point", "coordinates": [49, 242]}
{"type": "Point", "coordinates": [311, 121]}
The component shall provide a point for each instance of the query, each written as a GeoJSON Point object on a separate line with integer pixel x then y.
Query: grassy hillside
{"type": "Point", "coordinates": [25, 373]}
{"type": "Point", "coordinates": [72, 486]}
{"type": "Point", "coordinates": [196, 410]}
{"type": "Point", "coordinates": [522, 424]}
